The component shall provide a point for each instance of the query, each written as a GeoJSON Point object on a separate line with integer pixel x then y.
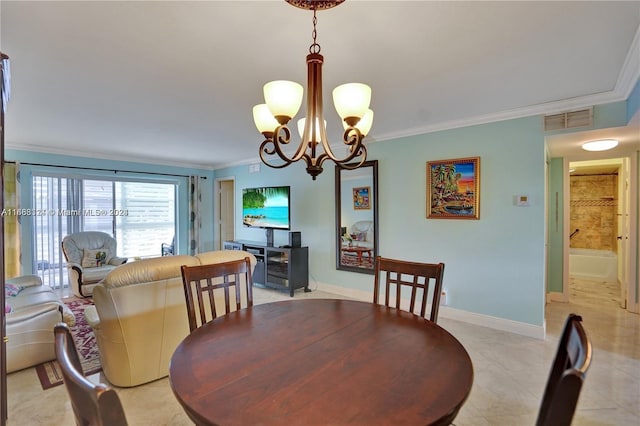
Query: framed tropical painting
{"type": "Point", "coordinates": [453, 189]}
{"type": "Point", "coordinates": [361, 198]}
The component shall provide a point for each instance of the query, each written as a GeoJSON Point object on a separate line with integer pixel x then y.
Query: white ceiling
{"type": "Point", "coordinates": [175, 82]}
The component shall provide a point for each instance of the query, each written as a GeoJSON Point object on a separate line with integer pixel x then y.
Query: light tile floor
{"type": "Point", "coordinates": [510, 371]}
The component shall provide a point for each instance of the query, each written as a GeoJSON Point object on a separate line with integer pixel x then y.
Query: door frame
{"type": "Point", "coordinates": [632, 253]}
{"type": "Point", "coordinates": [218, 206]}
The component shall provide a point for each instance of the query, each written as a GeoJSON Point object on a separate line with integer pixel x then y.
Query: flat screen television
{"type": "Point", "coordinates": [267, 207]}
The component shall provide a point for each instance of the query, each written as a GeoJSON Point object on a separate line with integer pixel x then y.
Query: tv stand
{"type": "Point", "coordinates": [269, 233]}
{"type": "Point", "coordinates": [283, 268]}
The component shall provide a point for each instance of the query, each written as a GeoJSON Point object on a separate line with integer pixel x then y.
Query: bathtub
{"type": "Point", "coordinates": [600, 265]}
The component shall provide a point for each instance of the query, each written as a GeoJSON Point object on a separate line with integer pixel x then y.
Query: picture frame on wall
{"type": "Point", "coordinates": [453, 188]}
{"type": "Point", "coordinates": [361, 198]}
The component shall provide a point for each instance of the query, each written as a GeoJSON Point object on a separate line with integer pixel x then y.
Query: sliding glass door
{"type": "Point", "coordinates": [51, 198]}
{"type": "Point", "coordinates": [140, 215]}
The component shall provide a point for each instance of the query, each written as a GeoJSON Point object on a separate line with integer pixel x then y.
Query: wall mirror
{"type": "Point", "coordinates": [357, 217]}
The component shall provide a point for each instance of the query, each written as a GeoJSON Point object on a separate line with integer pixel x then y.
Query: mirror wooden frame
{"type": "Point", "coordinates": [373, 203]}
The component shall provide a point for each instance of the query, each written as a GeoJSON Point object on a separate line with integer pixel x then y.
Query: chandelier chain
{"type": "Point", "coordinates": [315, 47]}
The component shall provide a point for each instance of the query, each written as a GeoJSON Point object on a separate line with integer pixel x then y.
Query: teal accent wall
{"type": "Point", "coordinates": [556, 229]}
{"type": "Point", "coordinates": [609, 115]}
{"type": "Point", "coordinates": [43, 162]}
{"type": "Point", "coordinates": [494, 266]}
{"type": "Point", "coordinates": [312, 207]}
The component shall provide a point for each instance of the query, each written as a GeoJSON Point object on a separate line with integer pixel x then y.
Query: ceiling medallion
{"type": "Point", "coordinates": [314, 4]}
{"type": "Point", "coordinates": [283, 100]}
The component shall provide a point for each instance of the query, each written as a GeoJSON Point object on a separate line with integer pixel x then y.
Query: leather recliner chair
{"type": "Point", "coordinates": [90, 257]}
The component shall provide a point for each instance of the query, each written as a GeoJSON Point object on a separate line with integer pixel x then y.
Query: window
{"type": "Point", "coordinates": [141, 215]}
{"type": "Point", "coordinates": [148, 218]}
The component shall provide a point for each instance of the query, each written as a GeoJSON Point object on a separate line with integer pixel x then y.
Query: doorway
{"type": "Point", "coordinates": [599, 217]}
{"type": "Point", "coordinates": [224, 216]}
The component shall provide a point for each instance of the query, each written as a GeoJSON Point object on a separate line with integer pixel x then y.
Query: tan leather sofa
{"type": "Point", "coordinates": [34, 311]}
{"type": "Point", "coordinates": [140, 315]}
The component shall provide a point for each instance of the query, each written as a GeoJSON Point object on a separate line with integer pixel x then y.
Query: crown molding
{"type": "Point", "coordinates": [104, 156]}
{"type": "Point", "coordinates": [540, 109]}
{"type": "Point", "coordinates": [630, 72]}
{"type": "Point", "coordinates": [627, 79]}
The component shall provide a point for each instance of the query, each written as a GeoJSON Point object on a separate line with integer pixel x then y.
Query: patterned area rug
{"type": "Point", "coordinates": [49, 372]}
{"type": "Point", "coordinates": [352, 260]}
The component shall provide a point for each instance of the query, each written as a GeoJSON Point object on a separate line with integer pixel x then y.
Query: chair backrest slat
{"type": "Point", "coordinates": [202, 282]}
{"type": "Point", "coordinates": [417, 276]}
{"type": "Point", "coordinates": [567, 374]}
{"type": "Point", "coordinates": [92, 404]}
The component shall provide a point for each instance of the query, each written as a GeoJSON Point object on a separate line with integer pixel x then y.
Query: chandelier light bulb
{"type": "Point", "coordinates": [600, 145]}
{"type": "Point", "coordinates": [352, 100]}
{"type": "Point", "coordinates": [317, 134]}
{"type": "Point", "coordinates": [365, 123]}
{"type": "Point", "coordinates": [283, 99]}
{"type": "Point", "coordinates": [264, 120]}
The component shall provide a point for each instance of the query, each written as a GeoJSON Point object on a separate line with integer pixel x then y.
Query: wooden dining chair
{"type": "Point", "coordinates": [93, 404]}
{"type": "Point", "coordinates": [203, 282]}
{"type": "Point", "coordinates": [417, 276]}
{"type": "Point", "coordinates": [568, 372]}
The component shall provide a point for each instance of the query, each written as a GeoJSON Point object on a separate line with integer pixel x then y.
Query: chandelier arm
{"type": "Point", "coordinates": [314, 165]}
{"type": "Point", "coordinates": [351, 166]}
{"type": "Point", "coordinates": [300, 152]}
{"type": "Point", "coordinates": [265, 149]}
{"type": "Point", "coordinates": [273, 145]}
{"type": "Point", "coordinates": [351, 138]}
{"type": "Point", "coordinates": [282, 136]}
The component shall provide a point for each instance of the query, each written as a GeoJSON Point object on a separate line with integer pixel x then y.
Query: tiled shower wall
{"type": "Point", "coordinates": [594, 206]}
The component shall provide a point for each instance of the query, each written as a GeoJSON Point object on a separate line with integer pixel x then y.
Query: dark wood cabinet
{"type": "Point", "coordinates": [283, 268]}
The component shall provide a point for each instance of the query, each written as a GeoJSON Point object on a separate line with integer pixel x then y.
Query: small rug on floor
{"type": "Point", "coordinates": [49, 372]}
{"type": "Point", "coordinates": [349, 260]}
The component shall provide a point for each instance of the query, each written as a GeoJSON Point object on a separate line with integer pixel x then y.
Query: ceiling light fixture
{"type": "Point", "coordinates": [283, 100]}
{"type": "Point", "coordinates": [600, 145]}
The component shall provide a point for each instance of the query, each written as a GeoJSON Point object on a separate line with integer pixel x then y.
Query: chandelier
{"type": "Point", "coordinates": [284, 98]}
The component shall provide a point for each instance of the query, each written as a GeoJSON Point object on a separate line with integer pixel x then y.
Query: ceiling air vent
{"type": "Point", "coordinates": [568, 120]}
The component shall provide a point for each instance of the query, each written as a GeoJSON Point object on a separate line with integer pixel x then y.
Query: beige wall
{"type": "Point", "coordinates": [594, 201]}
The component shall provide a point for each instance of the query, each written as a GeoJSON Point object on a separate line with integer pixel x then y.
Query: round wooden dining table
{"type": "Point", "coordinates": [320, 362]}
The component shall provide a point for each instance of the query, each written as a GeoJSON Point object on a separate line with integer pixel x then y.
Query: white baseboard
{"type": "Point", "coordinates": [352, 293]}
{"type": "Point", "coordinates": [502, 324]}
{"type": "Point", "coordinates": [524, 329]}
